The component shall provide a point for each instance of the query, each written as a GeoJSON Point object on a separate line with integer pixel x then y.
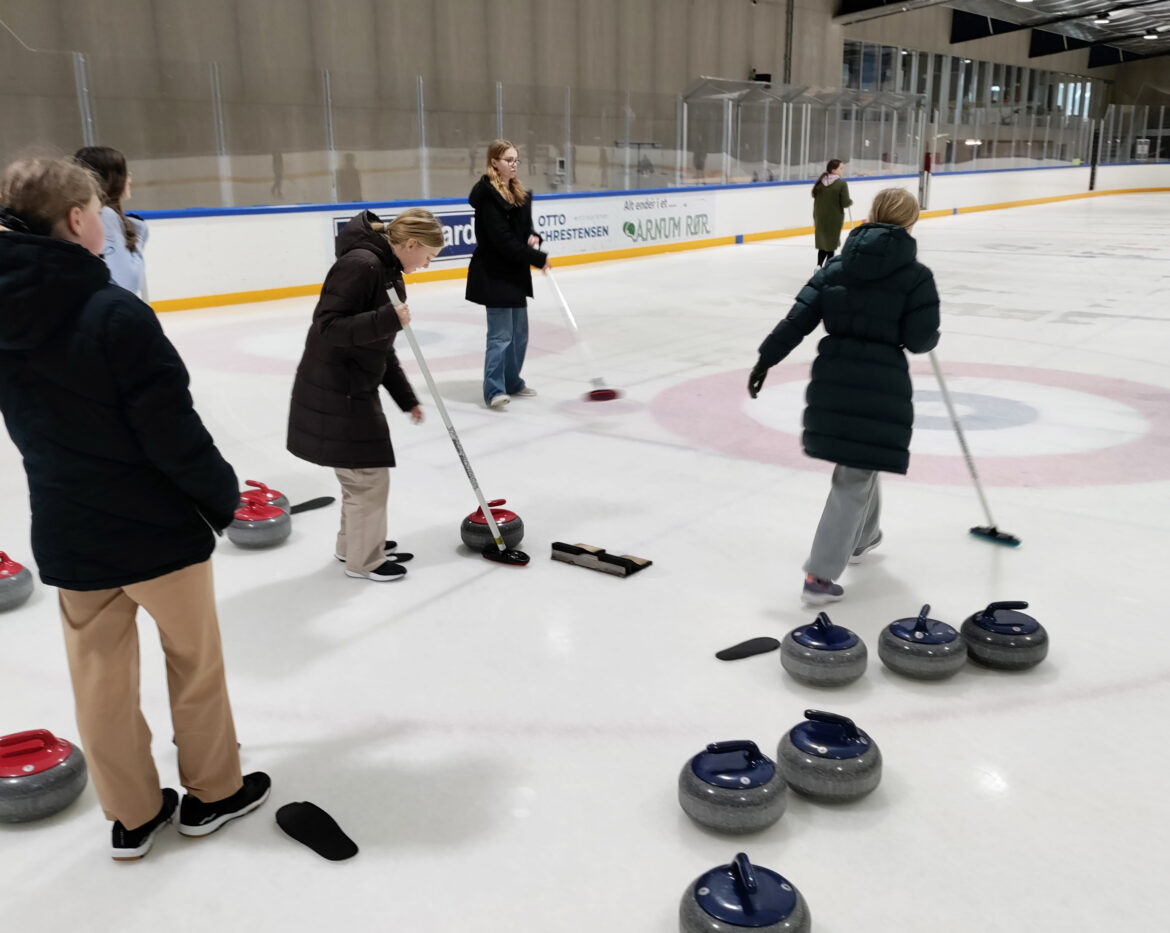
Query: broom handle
{"type": "Point", "coordinates": [946, 396]}
{"type": "Point", "coordinates": [573, 324]}
{"type": "Point", "coordinates": [422, 364]}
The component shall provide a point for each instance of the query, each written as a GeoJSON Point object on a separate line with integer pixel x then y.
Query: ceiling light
{"type": "Point", "coordinates": [1023, 1]}
{"type": "Point", "coordinates": [1150, 34]}
{"type": "Point", "coordinates": [1101, 19]}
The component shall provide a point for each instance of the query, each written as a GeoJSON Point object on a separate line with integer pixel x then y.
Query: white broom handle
{"type": "Point", "coordinates": [946, 396]}
{"type": "Point", "coordinates": [422, 364]}
{"type": "Point", "coordinates": [589, 361]}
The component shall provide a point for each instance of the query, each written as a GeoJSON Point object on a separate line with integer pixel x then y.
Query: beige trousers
{"type": "Point", "coordinates": [101, 640]}
{"type": "Point", "coordinates": [361, 539]}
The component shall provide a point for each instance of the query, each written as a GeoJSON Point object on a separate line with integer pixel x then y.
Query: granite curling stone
{"type": "Point", "coordinates": [743, 896]}
{"type": "Point", "coordinates": [923, 648]}
{"type": "Point", "coordinates": [732, 787]}
{"type": "Point", "coordinates": [823, 654]}
{"type": "Point", "coordinates": [265, 496]}
{"type": "Point", "coordinates": [477, 535]}
{"type": "Point", "coordinates": [1005, 639]}
{"type": "Point", "coordinates": [40, 775]}
{"type": "Point", "coordinates": [16, 583]}
{"type": "Point", "coordinates": [259, 526]}
{"type": "Point", "coordinates": [828, 758]}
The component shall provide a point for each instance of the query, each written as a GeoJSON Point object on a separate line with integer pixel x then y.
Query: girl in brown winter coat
{"type": "Point", "coordinates": [336, 417]}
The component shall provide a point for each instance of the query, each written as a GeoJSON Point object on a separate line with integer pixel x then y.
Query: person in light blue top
{"type": "Point", "coordinates": [125, 233]}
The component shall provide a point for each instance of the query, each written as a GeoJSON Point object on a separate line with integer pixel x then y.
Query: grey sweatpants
{"type": "Point", "coordinates": [851, 519]}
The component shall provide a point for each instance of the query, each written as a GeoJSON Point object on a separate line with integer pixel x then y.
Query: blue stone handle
{"type": "Point", "coordinates": [739, 745]}
{"type": "Point", "coordinates": [745, 874]}
{"type": "Point", "coordinates": [833, 719]}
{"type": "Point", "coordinates": [989, 612]}
{"type": "Point", "coordinates": [923, 623]}
{"type": "Point", "coordinates": [823, 622]}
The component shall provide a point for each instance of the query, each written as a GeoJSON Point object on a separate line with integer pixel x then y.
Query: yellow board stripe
{"type": "Point", "coordinates": [437, 275]}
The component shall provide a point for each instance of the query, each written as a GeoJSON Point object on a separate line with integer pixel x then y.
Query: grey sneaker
{"type": "Point", "coordinates": [817, 592]}
{"type": "Point", "coordinates": [499, 402]}
{"type": "Point", "coordinates": [526, 392]}
{"type": "Point", "coordinates": [862, 551]}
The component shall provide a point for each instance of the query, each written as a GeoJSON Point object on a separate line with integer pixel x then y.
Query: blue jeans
{"type": "Point", "coordinates": [507, 341]}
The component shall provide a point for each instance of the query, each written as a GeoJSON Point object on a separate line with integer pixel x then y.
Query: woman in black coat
{"type": "Point", "coordinates": [876, 301]}
{"type": "Point", "coordinates": [335, 418]}
{"type": "Point", "coordinates": [126, 488]}
{"type": "Point", "coordinates": [499, 275]}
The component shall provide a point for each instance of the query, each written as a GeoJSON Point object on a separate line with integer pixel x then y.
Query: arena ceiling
{"type": "Point", "coordinates": [1113, 32]}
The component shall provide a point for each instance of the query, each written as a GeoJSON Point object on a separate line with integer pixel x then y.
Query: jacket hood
{"type": "Point", "coordinates": [875, 251]}
{"type": "Point", "coordinates": [44, 283]}
{"type": "Point", "coordinates": [358, 234]}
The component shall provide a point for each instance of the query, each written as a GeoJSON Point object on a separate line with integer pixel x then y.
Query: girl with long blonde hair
{"type": "Point", "coordinates": [499, 276]}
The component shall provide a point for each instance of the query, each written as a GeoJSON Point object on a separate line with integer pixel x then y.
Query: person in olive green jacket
{"type": "Point", "coordinates": [830, 198]}
{"type": "Point", "coordinates": [877, 301]}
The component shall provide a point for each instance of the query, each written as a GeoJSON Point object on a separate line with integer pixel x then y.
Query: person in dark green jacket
{"type": "Point", "coordinates": [830, 198]}
{"type": "Point", "coordinates": [876, 301]}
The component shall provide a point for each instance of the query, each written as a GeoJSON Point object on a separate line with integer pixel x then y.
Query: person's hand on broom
{"type": "Point", "coordinates": [403, 311]}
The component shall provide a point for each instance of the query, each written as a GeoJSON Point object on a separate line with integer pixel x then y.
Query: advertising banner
{"type": "Point", "coordinates": [570, 226]}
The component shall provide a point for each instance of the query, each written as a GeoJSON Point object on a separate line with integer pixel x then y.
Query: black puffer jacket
{"type": "Point", "coordinates": [124, 479]}
{"type": "Point", "coordinates": [876, 301]}
{"type": "Point", "coordinates": [500, 272]}
{"type": "Point", "coordinates": [336, 418]}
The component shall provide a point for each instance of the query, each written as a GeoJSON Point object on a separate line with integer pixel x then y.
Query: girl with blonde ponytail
{"type": "Point", "coordinates": [877, 302]}
{"type": "Point", "coordinates": [336, 418]}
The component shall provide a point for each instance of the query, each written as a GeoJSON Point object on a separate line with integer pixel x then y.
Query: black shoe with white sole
{"type": "Point", "coordinates": [197, 818]}
{"type": "Point", "coordinates": [386, 572]}
{"type": "Point", "coordinates": [130, 844]}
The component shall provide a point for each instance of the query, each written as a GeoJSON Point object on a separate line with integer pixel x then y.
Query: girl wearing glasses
{"type": "Point", "coordinates": [500, 277]}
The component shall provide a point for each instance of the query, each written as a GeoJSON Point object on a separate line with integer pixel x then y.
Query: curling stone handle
{"type": "Point", "coordinates": [833, 719]}
{"type": "Point", "coordinates": [22, 743]}
{"type": "Point", "coordinates": [739, 745]}
{"type": "Point", "coordinates": [923, 623]}
{"type": "Point", "coordinates": [991, 609]}
{"type": "Point", "coordinates": [496, 502]}
{"type": "Point", "coordinates": [823, 621]}
{"type": "Point", "coordinates": [745, 874]}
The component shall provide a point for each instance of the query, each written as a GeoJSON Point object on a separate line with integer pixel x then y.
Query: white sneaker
{"type": "Point", "coordinates": [499, 402]}
{"type": "Point", "coordinates": [526, 392]}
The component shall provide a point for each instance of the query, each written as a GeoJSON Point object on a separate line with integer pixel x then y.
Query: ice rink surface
{"type": "Point", "coordinates": [504, 744]}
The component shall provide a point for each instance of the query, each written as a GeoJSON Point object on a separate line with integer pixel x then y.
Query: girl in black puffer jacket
{"type": "Point", "coordinates": [335, 417]}
{"type": "Point", "coordinates": [876, 301]}
{"type": "Point", "coordinates": [126, 487]}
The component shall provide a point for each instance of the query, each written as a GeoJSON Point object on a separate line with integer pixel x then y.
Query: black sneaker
{"type": "Point", "coordinates": [384, 573]}
{"type": "Point", "coordinates": [197, 818]}
{"type": "Point", "coordinates": [130, 844]}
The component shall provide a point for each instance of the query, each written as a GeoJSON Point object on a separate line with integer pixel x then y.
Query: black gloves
{"type": "Point", "coordinates": [756, 379]}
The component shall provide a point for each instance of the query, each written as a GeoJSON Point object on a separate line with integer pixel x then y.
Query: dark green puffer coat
{"type": "Point", "coordinates": [876, 301]}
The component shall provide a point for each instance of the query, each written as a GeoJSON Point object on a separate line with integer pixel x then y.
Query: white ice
{"type": "Point", "coordinates": [504, 744]}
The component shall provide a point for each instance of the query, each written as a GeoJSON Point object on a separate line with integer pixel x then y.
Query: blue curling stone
{"type": "Point", "coordinates": [1001, 637]}
{"type": "Point", "coordinates": [732, 787]}
{"type": "Point", "coordinates": [827, 757]}
{"type": "Point", "coordinates": [923, 648]}
{"type": "Point", "coordinates": [823, 654]}
{"type": "Point", "coordinates": [743, 896]}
